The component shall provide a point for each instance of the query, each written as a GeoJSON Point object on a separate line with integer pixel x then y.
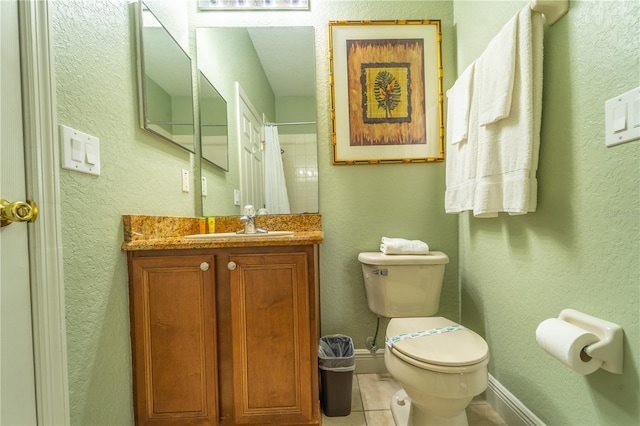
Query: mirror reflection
{"type": "Point", "coordinates": [213, 123]}
{"type": "Point", "coordinates": [274, 69]}
{"type": "Point", "coordinates": [166, 94]}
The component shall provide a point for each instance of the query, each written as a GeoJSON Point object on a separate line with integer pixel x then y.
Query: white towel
{"type": "Point", "coordinates": [495, 70]}
{"type": "Point", "coordinates": [462, 161]}
{"type": "Point", "coordinates": [508, 149]}
{"type": "Point", "coordinates": [402, 246]}
{"type": "Point", "coordinates": [537, 59]}
{"type": "Point", "coordinates": [458, 105]}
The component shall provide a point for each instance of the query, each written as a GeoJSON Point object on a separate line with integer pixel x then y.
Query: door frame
{"type": "Point", "coordinates": [243, 99]}
{"type": "Point", "coordinates": [43, 186]}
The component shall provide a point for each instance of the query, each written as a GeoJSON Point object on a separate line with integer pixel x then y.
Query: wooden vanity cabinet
{"type": "Point", "coordinates": [250, 331]}
{"type": "Point", "coordinates": [173, 339]}
{"type": "Point", "coordinates": [274, 339]}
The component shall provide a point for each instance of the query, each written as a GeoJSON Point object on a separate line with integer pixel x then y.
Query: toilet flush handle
{"type": "Point", "coordinates": [384, 272]}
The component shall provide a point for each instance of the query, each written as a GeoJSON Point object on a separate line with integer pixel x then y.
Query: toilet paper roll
{"type": "Point", "coordinates": [565, 342]}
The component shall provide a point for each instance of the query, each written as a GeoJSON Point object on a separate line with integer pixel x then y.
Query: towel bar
{"type": "Point", "coordinates": [551, 9]}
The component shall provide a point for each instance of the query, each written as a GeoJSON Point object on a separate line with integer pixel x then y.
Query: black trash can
{"type": "Point", "coordinates": [336, 360]}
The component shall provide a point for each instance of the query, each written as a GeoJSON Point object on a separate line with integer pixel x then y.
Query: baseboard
{"type": "Point", "coordinates": [367, 362]}
{"type": "Point", "coordinates": [512, 411]}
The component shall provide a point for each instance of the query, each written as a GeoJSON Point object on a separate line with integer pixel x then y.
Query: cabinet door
{"type": "Point", "coordinates": [173, 340]}
{"type": "Point", "coordinates": [271, 339]}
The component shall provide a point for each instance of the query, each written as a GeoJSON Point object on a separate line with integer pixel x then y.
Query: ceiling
{"type": "Point", "coordinates": [288, 58]}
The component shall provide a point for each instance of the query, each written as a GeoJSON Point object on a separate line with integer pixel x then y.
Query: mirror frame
{"type": "Point", "coordinates": [141, 8]}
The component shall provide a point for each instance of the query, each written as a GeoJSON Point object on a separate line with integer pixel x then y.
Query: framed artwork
{"type": "Point", "coordinates": [386, 91]}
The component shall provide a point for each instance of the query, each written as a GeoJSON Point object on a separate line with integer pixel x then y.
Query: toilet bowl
{"type": "Point", "coordinates": [440, 364]}
{"type": "Point", "coordinates": [440, 373]}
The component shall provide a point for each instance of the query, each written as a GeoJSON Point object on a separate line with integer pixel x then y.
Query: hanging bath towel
{"type": "Point", "coordinates": [462, 143]}
{"type": "Point", "coordinates": [508, 148]}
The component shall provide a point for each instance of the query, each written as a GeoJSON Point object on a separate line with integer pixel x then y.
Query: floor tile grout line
{"type": "Point", "coordinates": [364, 412]}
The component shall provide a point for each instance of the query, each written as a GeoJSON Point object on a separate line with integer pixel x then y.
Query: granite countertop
{"type": "Point", "coordinates": [143, 232]}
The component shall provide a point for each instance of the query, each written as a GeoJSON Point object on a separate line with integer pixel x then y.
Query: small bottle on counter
{"type": "Point", "coordinates": [211, 220]}
{"type": "Point", "coordinates": [203, 225]}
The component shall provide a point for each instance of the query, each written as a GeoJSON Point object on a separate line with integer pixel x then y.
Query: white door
{"type": "Point", "coordinates": [251, 158]}
{"type": "Point", "coordinates": [17, 390]}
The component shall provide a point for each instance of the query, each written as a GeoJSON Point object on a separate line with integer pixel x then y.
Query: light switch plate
{"type": "Point", "coordinates": [622, 118]}
{"type": "Point", "coordinates": [80, 151]}
{"type": "Point", "coordinates": [204, 186]}
{"type": "Point", "coordinates": [236, 197]}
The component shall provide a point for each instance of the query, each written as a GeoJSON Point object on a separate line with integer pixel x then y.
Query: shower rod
{"type": "Point", "coordinates": [298, 123]}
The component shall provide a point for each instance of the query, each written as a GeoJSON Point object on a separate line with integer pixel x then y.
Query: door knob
{"type": "Point", "coordinates": [18, 211]}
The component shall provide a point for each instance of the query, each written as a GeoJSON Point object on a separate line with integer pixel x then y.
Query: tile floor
{"type": "Point", "coordinates": [371, 396]}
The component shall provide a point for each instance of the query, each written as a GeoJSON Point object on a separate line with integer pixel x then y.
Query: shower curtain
{"type": "Point", "coordinates": [275, 188]}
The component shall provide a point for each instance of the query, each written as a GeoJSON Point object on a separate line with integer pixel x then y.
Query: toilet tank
{"type": "Point", "coordinates": [403, 285]}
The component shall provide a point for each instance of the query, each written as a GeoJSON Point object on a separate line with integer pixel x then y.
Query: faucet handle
{"type": "Point", "coordinates": [249, 210]}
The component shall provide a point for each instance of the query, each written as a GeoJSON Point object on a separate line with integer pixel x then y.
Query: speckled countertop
{"type": "Point", "coordinates": [143, 232]}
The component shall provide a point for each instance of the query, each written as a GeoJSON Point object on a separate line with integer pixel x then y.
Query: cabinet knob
{"type": "Point", "coordinates": [204, 266]}
{"type": "Point", "coordinates": [231, 266]}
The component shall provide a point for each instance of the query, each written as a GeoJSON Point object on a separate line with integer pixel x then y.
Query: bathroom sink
{"type": "Point", "coordinates": [236, 235]}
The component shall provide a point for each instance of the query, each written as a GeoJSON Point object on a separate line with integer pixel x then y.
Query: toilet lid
{"type": "Point", "coordinates": [460, 347]}
{"type": "Point", "coordinates": [378, 258]}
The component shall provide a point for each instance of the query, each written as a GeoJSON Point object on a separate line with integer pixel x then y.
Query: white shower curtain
{"type": "Point", "coordinates": [275, 187]}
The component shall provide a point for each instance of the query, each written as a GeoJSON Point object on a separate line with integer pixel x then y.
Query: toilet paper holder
{"type": "Point", "coordinates": [609, 348]}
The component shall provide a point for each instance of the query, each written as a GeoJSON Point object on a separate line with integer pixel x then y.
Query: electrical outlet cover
{"type": "Point", "coordinates": [185, 180]}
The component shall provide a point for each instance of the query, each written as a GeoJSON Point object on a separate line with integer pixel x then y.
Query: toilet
{"type": "Point", "coordinates": [440, 364]}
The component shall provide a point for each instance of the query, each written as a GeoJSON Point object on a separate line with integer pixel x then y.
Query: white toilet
{"type": "Point", "coordinates": [440, 364]}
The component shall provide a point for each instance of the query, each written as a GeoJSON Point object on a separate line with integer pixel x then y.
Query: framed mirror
{"type": "Point", "coordinates": [213, 124]}
{"type": "Point", "coordinates": [275, 66]}
{"type": "Point", "coordinates": [164, 81]}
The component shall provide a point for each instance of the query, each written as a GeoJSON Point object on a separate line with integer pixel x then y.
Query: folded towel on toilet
{"type": "Point", "coordinates": [402, 246]}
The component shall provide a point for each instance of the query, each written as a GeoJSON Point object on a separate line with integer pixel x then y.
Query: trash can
{"type": "Point", "coordinates": [336, 360]}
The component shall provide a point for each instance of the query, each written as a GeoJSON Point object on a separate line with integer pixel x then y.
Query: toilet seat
{"type": "Point", "coordinates": [451, 352]}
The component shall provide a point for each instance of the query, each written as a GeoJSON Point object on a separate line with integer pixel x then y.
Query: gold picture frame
{"type": "Point", "coordinates": [386, 91]}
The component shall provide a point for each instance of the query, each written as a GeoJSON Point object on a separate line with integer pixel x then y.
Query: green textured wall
{"type": "Point", "coordinates": [182, 112]}
{"type": "Point", "coordinates": [95, 73]}
{"type": "Point", "coordinates": [581, 249]}
{"type": "Point", "coordinates": [295, 109]}
{"type": "Point", "coordinates": [96, 90]}
{"type": "Point", "coordinates": [158, 104]}
{"type": "Point", "coordinates": [360, 204]}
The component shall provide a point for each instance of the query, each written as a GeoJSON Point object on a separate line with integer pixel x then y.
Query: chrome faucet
{"type": "Point", "coordinates": [249, 220]}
